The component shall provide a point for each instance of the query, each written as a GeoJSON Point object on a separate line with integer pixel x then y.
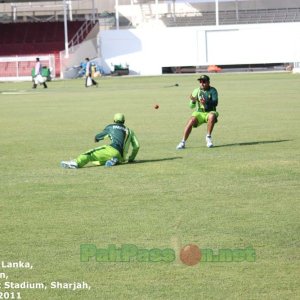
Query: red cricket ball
{"type": "Point", "coordinates": [190, 255]}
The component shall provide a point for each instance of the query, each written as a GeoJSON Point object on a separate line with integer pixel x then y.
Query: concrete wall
{"type": "Point", "coordinates": [146, 50]}
{"type": "Point", "coordinates": [88, 48]}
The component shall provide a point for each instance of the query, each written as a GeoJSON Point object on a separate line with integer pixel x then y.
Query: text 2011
{"type": "Point", "coordinates": [10, 295]}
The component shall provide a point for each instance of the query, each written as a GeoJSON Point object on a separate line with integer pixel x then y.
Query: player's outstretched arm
{"type": "Point", "coordinates": [135, 147]}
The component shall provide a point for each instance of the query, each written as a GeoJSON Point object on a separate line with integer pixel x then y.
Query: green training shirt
{"type": "Point", "coordinates": [121, 138]}
{"type": "Point", "coordinates": [210, 96]}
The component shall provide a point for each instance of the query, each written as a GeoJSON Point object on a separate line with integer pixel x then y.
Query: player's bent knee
{"type": "Point", "coordinates": [193, 122]}
{"type": "Point", "coordinates": [212, 118]}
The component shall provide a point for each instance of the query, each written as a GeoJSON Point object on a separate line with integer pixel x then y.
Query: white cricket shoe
{"type": "Point", "coordinates": [209, 142]}
{"type": "Point", "coordinates": [181, 145]}
{"type": "Point", "coordinates": [69, 164]}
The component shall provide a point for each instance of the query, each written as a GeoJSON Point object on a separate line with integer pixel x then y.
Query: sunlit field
{"type": "Point", "coordinates": [117, 233]}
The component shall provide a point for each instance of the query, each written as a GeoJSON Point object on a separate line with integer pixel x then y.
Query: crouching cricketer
{"type": "Point", "coordinates": [109, 155]}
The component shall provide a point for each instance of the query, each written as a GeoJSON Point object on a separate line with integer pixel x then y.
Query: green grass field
{"type": "Point", "coordinates": [242, 193]}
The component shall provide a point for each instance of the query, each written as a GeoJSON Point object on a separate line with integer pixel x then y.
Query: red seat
{"type": "Point", "coordinates": [30, 38]}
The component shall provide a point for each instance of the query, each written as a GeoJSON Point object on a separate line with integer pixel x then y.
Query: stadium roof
{"type": "Point", "coordinates": [16, 1]}
{"type": "Point", "coordinates": [191, 1]}
{"type": "Point", "coordinates": [19, 1]}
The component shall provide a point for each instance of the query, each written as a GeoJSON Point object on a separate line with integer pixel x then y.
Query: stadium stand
{"type": "Point", "coordinates": [30, 38]}
{"type": "Point", "coordinates": [233, 17]}
{"type": "Point", "coordinates": [34, 38]}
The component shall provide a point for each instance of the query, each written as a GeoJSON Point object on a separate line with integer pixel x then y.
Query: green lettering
{"type": "Point", "coordinates": [112, 253]}
{"type": "Point", "coordinates": [250, 254]}
{"type": "Point", "coordinates": [128, 251]}
{"type": "Point", "coordinates": [238, 255]}
{"type": "Point", "coordinates": [143, 255]}
{"type": "Point", "coordinates": [87, 251]}
{"type": "Point", "coordinates": [168, 255]}
{"type": "Point", "coordinates": [155, 255]}
{"type": "Point", "coordinates": [102, 255]}
{"type": "Point", "coordinates": [207, 255]}
{"type": "Point", "coordinates": [225, 255]}
{"type": "Point", "coordinates": [119, 255]}
{"type": "Point", "coordinates": [215, 258]}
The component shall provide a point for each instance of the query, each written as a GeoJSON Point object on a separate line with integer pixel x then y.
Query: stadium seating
{"type": "Point", "coordinates": [34, 38]}
{"type": "Point", "coordinates": [233, 17]}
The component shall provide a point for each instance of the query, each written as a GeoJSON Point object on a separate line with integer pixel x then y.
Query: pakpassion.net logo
{"type": "Point", "coordinates": [190, 254]}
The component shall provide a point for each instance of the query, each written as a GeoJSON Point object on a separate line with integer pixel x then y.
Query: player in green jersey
{"type": "Point", "coordinates": [109, 155]}
{"type": "Point", "coordinates": [205, 100]}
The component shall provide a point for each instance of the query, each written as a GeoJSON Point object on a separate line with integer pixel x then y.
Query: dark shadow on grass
{"type": "Point", "coordinates": [142, 161]}
{"type": "Point", "coordinates": [173, 85]}
{"type": "Point", "coordinates": [252, 143]}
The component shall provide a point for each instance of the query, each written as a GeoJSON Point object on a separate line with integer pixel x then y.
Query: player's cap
{"type": "Point", "coordinates": [119, 118]}
{"type": "Point", "coordinates": [204, 78]}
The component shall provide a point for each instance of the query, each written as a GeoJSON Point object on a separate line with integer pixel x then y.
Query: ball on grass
{"type": "Point", "coordinates": [190, 255]}
{"type": "Point", "coordinates": [156, 106]}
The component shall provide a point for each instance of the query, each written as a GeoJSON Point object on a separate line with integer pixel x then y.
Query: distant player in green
{"type": "Point", "coordinates": [205, 100]}
{"type": "Point", "coordinates": [109, 155]}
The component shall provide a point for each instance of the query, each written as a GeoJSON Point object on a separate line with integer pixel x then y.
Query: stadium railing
{"type": "Point", "coordinates": [233, 17]}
